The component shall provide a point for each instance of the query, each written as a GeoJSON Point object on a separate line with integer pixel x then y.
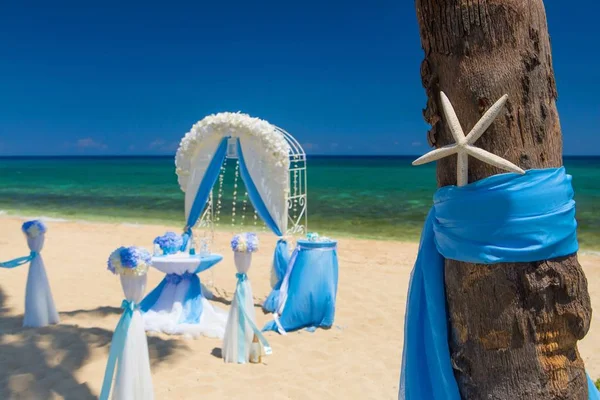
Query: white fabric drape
{"type": "Point", "coordinates": [230, 341]}
{"type": "Point", "coordinates": [271, 181]}
{"type": "Point", "coordinates": [133, 378]}
{"type": "Point", "coordinates": [39, 304]}
{"type": "Point", "coordinates": [200, 161]}
{"type": "Point", "coordinates": [166, 314]}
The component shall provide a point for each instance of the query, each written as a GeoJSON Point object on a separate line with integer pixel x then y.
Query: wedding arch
{"type": "Point", "coordinates": [272, 167]}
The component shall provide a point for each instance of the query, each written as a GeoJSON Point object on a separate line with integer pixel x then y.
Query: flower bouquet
{"type": "Point", "coordinates": [169, 243]}
{"type": "Point", "coordinates": [243, 245]}
{"type": "Point", "coordinates": [33, 229]}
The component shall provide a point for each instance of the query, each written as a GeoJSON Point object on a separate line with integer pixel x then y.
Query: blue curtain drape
{"type": "Point", "coordinates": [504, 218]}
{"type": "Point", "coordinates": [281, 256]}
{"type": "Point", "coordinates": [208, 181]}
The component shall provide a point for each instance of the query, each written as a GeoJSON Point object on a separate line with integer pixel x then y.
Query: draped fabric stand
{"type": "Point", "coordinates": [129, 349]}
{"type": "Point", "coordinates": [501, 219]}
{"type": "Point", "coordinates": [178, 305]}
{"type": "Point", "coordinates": [241, 322]}
{"type": "Point", "coordinates": [309, 288]}
{"type": "Point", "coordinates": [39, 304]}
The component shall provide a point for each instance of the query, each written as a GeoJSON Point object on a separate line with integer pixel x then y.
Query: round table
{"type": "Point", "coordinates": [179, 305]}
{"type": "Point", "coordinates": [309, 289]}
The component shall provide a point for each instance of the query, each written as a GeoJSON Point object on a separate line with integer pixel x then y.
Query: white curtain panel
{"type": "Point", "coordinates": [39, 304]}
{"type": "Point", "coordinates": [204, 153]}
{"type": "Point", "coordinates": [230, 341]}
{"type": "Point", "coordinates": [271, 181]}
{"type": "Point", "coordinates": [133, 378]}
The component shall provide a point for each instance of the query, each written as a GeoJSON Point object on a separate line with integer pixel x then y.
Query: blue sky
{"type": "Point", "coordinates": [105, 78]}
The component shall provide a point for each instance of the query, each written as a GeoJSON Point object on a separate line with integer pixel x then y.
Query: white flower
{"type": "Point", "coordinates": [242, 125]}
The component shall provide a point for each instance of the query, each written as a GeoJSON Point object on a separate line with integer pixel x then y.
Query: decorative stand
{"type": "Point", "coordinates": [39, 304]}
{"type": "Point", "coordinates": [309, 289]}
{"type": "Point", "coordinates": [178, 305]}
{"type": "Point", "coordinates": [241, 323]}
{"type": "Point", "coordinates": [129, 346]}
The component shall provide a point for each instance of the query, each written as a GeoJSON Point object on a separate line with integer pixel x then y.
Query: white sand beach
{"type": "Point", "coordinates": [359, 358]}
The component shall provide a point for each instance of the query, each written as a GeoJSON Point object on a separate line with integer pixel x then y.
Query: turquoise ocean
{"type": "Point", "coordinates": [376, 197]}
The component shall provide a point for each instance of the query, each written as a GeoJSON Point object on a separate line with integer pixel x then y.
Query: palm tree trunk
{"type": "Point", "coordinates": [514, 327]}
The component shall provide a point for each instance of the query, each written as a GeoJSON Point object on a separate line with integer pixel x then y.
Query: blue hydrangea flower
{"type": "Point", "coordinates": [169, 243]}
{"type": "Point", "coordinates": [245, 243]}
{"type": "Point", "coordinates": [129, 261]}
{"type": "Point", "coordinates": [33, 228]}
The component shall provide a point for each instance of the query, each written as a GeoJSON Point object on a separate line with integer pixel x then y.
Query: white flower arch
{"type": "Point", "coordinates": [266, 153]}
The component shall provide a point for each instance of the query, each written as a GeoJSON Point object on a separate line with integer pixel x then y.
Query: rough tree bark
{"type": "Point", "coordinates": [514, 327]}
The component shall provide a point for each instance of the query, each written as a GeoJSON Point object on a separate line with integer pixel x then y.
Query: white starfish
{"type": "Point", "coordinates": [463, 148]}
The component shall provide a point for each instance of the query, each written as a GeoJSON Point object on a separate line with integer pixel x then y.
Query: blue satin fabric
{"type": "Point", "coordinates": [18, 261]}
{"type": "Point", "coordinates": [280, 262]}
{"type": "Point", "coordinates": [243, 318]}
{"type": "Point", "coordinates": [192, 305]}
{"type": "Point", "coordinates": [504, 218]}
{"type": "Point", "coordinates": [117, 346]}
{"type": "Point", "coordinates": [281, 256]}
{"type": "Point", "coordinates": [208, 181]}
{"type": "Point", "coordinates": [312, 288]}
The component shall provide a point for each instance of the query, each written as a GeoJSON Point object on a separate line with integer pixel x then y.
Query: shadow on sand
{"type": "Point", "coordinates": [40, 363]}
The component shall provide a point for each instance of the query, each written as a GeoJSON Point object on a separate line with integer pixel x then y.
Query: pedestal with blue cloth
{"type": "Point", "coordinates": [178, 305]}
{"type": "Point", "coordinates": [309, 288]}
{"type": "Point", "coordinates": [501, 219]}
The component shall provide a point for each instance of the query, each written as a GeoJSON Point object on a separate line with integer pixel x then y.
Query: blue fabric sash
{"type": "Point", "coordinates": [192, 303]}
{"type": "Point", "coordinates": [240, 294]}
{"type": "Point", "coordinates": [208, 181]}
{"type": "Point", "coordinates": [117, 346]}
{"type": "Point", "coordinates": [501, 219]}
{"type": "Point", "coordinates": [18, 261]}
{"type": "Point", "coordinates": [281, 256]}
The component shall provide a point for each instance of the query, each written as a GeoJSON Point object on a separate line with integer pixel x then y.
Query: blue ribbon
{"type": "Point", "coordinates": [18, 261]}
{"type": "Point", "coordinates": [243, 317]}
{"type": "Point", "coordinates": [117, 346]}
{"type": "Point", "coordinates": [501, 219]}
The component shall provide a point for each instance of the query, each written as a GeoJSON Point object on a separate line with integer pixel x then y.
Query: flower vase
{"type": "Point", "coordinates": [242, 261]}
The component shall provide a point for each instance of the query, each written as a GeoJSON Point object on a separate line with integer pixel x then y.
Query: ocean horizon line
{"type": "Point", "coordinates": [309, 156]}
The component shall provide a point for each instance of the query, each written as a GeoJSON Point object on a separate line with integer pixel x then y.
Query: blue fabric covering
{"type": "Point", "coordinates": [18, 261]}
{"type": "Point", "coordinates": [504, 218]}
{"type": "Point", "coordinates": [208, 181]}
{"type": "Point", "coordinates": [192, 306]}
{"type": "Point", "coordinates": [117, 346]}
{"type": "Point", "coordinates": [281, 257]}
{"type": "Point", "coordinates": [280, 262]}
{"type": "Point", "coordinates": [312, 281]}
